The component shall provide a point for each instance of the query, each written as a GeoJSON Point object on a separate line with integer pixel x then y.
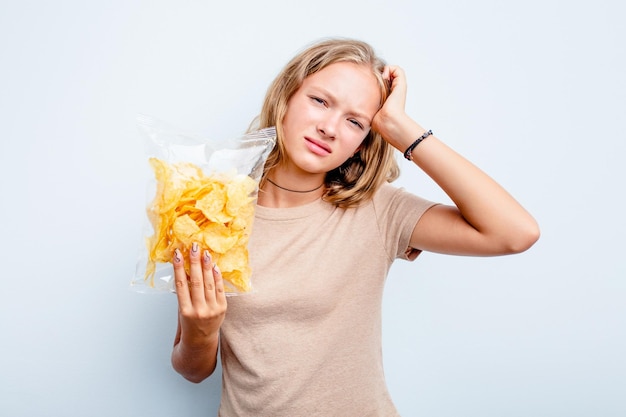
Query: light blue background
{"type": "Point", "coordinates": [533, 92]}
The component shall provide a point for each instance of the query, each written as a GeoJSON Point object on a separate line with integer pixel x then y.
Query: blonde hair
{"type": "Point", "coordinates": [359, 177]}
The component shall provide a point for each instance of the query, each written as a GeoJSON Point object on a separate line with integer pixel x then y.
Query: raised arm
{"type": "Point", "coordinates": [201, 311]}
{"type": "Point", "coordinates": [486, 219]}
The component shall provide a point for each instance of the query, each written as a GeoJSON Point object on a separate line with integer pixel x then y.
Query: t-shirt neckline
{"type": "Point", "coordinates": [290, 213]}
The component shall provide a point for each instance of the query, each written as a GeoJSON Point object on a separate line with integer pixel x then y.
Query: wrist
{"type": "Point", "coordinates": [400, 131]}
{"type": "Point", "coordinates": [408, 153]}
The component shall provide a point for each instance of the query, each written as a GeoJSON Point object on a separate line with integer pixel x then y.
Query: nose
{"type": "Point", "coordinates": [327, 125]}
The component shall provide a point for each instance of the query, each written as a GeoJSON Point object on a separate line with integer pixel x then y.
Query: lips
{"type": "Point", "coordinates": [317, 146]}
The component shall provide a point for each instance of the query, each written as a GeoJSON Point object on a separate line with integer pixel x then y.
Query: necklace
{"type": "Point", "coordinates": [294, 191]}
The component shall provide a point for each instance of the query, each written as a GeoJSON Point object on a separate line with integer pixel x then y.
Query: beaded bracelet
{"type": "Point", "coordinates": [408, 153]}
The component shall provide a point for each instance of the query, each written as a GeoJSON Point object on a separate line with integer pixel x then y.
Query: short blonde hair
{"type": "Point", "coordinates": [356, 179]}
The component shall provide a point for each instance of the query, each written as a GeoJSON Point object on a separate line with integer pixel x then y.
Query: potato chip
{"type": "Point", "coordinates": [215, 211]}
{"type": "Point", "coordinates": [237, 281]}
{"type": "Point", "coordinates": [239, 194]}
{"type": "Point", "coordinates": [219, 237]}
{"type": "Point", "coordinates": [185, 229]}
{"type": "Point", "coordinates": [213, 204]}
{"type": "Point", "coordinates": [234, 259]}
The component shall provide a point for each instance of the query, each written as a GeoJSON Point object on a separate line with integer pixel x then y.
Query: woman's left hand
{"type": "Point", "coordinates": [486, 219]}
{"type": "Point", "coordinates": [391, 121]}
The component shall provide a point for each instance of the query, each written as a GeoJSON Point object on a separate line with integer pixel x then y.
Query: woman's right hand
{"type": "Point", "coordinates": [201, 311]}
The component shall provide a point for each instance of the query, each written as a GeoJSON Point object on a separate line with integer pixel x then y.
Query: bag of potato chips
{"type": "Point", "coordinates": [203, 191]}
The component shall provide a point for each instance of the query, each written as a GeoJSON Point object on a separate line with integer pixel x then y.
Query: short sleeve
{"type": "Point", "coordinates": [397, 213]}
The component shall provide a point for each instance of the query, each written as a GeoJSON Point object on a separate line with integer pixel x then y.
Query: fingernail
{"type": "Point", "coordinates": [217, 268]}
{"type": "Point", "coordinates": [176, 255]}
{"type": "Point", "coordinates": [207, 257]}
{"type": "Point", "coordinates": [194, 247]}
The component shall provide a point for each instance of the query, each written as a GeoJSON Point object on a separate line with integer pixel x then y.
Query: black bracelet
{"type": "Point", "coordinates": [409, 151]}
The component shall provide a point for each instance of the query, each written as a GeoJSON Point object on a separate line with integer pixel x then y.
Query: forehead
{"type": "Point", "coordinates": [349, 83]}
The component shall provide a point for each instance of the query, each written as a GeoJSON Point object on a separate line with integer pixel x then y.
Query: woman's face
{"type": "Point", "coordinates": [328, 117]}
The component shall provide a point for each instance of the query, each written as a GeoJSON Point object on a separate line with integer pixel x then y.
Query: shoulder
{"type": "Point", "coordinates": [388, 195]}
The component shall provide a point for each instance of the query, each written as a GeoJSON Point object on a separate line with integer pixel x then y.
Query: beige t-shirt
{"type": "Point", "coordinates": [307, 341]}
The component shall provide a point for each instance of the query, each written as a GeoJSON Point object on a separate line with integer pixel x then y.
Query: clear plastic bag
{"type": "Point", "coordinates": [204, 191]}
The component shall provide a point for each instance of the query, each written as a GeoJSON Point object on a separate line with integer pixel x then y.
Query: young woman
{"type": "Point", "coordinates": [328, 225]}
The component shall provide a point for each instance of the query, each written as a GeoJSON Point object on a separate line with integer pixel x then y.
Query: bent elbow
{"type": "Point", "coordinates": [194, 376]}
{"type": "Point", "coordinates": [195, 373]}
{"type": "Point", "coordinates": [524, 239]}
{"type": "Point", "coordinates": [196, 379]}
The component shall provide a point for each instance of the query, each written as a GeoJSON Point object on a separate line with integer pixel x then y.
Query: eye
{"type": "Point", "coordinates": [356, 123]}
{"type": "Point", "coordinates": [318, 100]}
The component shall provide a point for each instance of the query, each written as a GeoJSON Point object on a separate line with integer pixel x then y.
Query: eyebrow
{"type": "Point", "coordinates": [333, 98]}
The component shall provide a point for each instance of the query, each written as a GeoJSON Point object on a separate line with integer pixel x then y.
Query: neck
{"type": "Point", "coordinates": [277, 194]}
{"type": "Point", "coordinates": [294, 191]}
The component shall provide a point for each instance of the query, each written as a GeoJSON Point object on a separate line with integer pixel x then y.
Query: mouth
{"type": "Point", "coordinates": [317, 146]}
